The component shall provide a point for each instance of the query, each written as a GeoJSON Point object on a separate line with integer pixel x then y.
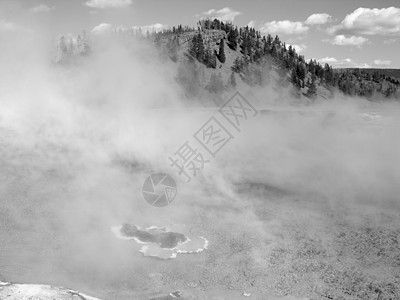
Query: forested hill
{"type": "Point", "coordinates": [393, 73]}
{"type": "Point", "coordinates": [217, 56]}
{"type": "Point", "coordinates": [369, 82]}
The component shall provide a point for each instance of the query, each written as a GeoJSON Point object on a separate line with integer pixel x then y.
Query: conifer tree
{"type": "Point", "coordinates": [196, 48]}
{"type": "Point", "coordinates": [61, 50]}
{"type": "Point", "coordinates": [233, 37]}
{"type": "Point", "coordinates": [232, 81]}
{"type": "Point", "coordinates": [237, 65]}
{"type": "Point", "coordinates": [85, 43]}
{"type": "Point", "coordinates": [79, 45]}
{"type": "Point", "coordinates": [312, 89]}
{"type": "Point", "coordinates": [216, 84]}
{"type": "Point", "coordinates": [221, 54]}
{"type": "Point", "coordinates": [173, 47]}
{"type": "Point", "coordinates": [188, 76]}
{"type": "Point", "coordinates": [293, 78]}
{"type": "Point", "coordinates": [213, 60]}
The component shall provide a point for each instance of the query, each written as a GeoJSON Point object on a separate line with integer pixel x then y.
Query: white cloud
{"type": "Point", "coordinates": [224, 14]}
{"type": "Point", "coordinates": [284, 27]}
{"type": "Point", "coordinates": [379, 62]}
{"type": "Point", "coordinates": [7, 26]}
{"type": "Point", "coordinates": [252, 24]}
{"type": "Point", "coordinates": [389, 41]}
{"type": "Point", "coordinates": [151, 28]}
{"type": "Point", "coordinates": [42, 8]}
{"type": "Point", "coordinates": [318, 19]}
{"type": "Point", "coordinates": [103, 28]}
{"type": "Point", "coordinates": [342, 40]}
{"type": "Point", "coordinates": [327, 59]}
{"type": "Point", "coordinates": [371, 21]}
{"type": "Point", "coordinates": [108, 3]}
{"type": "Point", "coordinates": [299, 48]}
{"type": "Point", "coordinates": [342, 63]}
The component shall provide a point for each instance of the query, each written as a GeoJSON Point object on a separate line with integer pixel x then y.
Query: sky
{"type": "Point", "coordinates": [343, 33]}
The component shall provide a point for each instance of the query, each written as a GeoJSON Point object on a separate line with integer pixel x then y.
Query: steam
{"type": "Point", "coordinates": [78, 142]}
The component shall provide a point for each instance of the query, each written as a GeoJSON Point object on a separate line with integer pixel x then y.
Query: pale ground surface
{"type": "Point", "coordinates": [10, 291]}
{"type": "Point", "coordinates": [57, 210]}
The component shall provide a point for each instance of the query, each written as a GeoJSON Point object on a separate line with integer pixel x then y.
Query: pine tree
{"type": "Point", "coordinates": [232, 81]}
{"type": "Point", "coordinates": [269, 41]}
{"type": "Point", "coordinates": [220, 82]}
{"type": "Point", "coordinates": [312, 89]}
{"type": "Point", "coordinates": [291, 51]}
{"type": "Point", "coordinates": [79, 45]}
{"type": "Point", "coordinates": [207, 58]}
{"type": "Point", "coordinates": [210, 58]}
{"type": "Point", "coordinates": [277, 41]}
{"type": "Point", "coordinates": [85, 44]}
{"type": "Point", "coordinates": [221, 54]}
{"type": "Point", "coordinates": [237, 65]}
{"type": "Point", "coordinates": [311, 67]}
{"type": "Point", "coordinates": [216, 84]}
{"type": "Point", "coordinates": [196, 48]}
{"type": "Point", "coordinates": [294, 79]}
{"type": "Point", "coordinates": [247, 44]}
{"type": "Point", "coordinates": [232, 38]}
{"type": "Point", "coordinates": [328, 74]}
{"type": "Point", "coordinates": [70, 46]}
{"type": "Point", "coordinates": [301, 73]}
{"type": "Point", "coordinates": [157, 41]}
{"type": "Point", "coordinates": [274, 51]}
{"type": "Point", "coordinates": [213, 60]}
{"type": "Point", "coordinates": [62, 50]}
{"type": "Point", "coordinates": [189, 76]}
{"type": "Point", "coordinates": [173, 47]}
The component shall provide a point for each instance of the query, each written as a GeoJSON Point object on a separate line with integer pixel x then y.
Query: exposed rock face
{"type": "Point", "coordinates": [12, 291]}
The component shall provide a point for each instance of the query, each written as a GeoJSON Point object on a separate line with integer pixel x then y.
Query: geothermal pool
{"type": "Point", "coordinates": [160, 242]}
{"type": "Point", "coordinates": [299, 206]}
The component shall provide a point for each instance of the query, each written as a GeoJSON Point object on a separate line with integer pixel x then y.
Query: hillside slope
{"type": "Point", "coordinates": [216, 57]}
{"type": "Point", "coordinates": [254, 59]}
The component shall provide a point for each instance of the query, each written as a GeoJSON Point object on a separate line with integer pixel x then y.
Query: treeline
{"type": "Point", "coordinates": [366, 83]}
{"type": "Point", "coordinates": [214, 25]}
{"type": "Point", "coordinates": [70, 47]}
{"type": "Point", "coordinates": [175, 30]}
{"type": "Point", "coordinates": [259, 54]}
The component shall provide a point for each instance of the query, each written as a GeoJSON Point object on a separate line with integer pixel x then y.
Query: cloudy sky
{"type": "Point", "coordinates": [344, 33]}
